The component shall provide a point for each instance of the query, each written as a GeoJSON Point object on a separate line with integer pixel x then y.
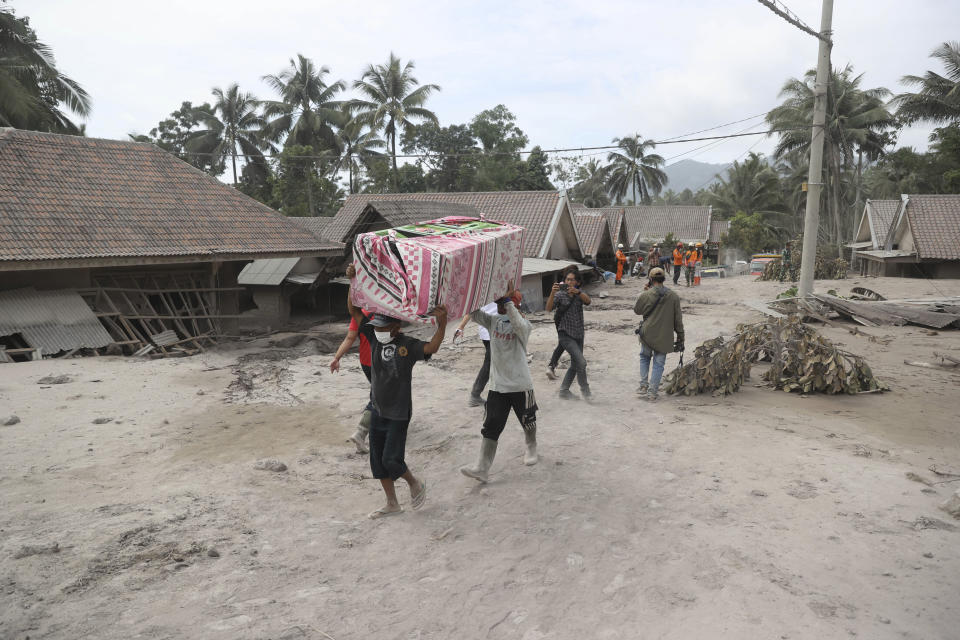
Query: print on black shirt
{"type": "Point", "coordinates": [392, 372]}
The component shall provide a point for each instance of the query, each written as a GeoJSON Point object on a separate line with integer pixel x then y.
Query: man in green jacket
{"type": "Point", "coordinates": [660, 308]}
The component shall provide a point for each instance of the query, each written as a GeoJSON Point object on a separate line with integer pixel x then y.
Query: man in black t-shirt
{"type": "Point", "coordinates": [393, 356]}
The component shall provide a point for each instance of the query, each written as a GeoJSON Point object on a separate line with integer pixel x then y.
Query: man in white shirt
{"type": "Point", "coordinates": [511, 387]}
{"type": "Point", "coordinates": [484, 374]}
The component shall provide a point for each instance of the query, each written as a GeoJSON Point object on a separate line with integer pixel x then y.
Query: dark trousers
{"type": "Point", "coordinates": [676, 274]}
{"type": "Point", "coordinates": [555, 357]}
{"type": "Point", "coordinates": [484, 373]}
{"type": "Point", "coordinates": [498, 407]}
{"type": "Point", "coordinates": [366, 371]}
{"type": "Point", "coordinates": [578, 364]}
{"type": "Point", "coordinates": [388, 441]}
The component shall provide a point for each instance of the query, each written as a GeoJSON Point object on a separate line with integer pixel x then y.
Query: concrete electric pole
{"type": "Point", "coordinates": [811, 221]}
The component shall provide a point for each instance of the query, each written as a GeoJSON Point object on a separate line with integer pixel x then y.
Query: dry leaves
{"type": "Point", "coordinates": [801, 360]}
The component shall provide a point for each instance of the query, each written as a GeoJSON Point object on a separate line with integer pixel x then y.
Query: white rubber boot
{"type": "Point", "coordinates": [488, 450]}
{"type": "Point", "coordinates": [531, 457]}
{"type": "Point", "coordinates": [359, 437]}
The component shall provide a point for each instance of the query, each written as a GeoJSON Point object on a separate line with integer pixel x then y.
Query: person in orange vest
{"type": "Point", "coordinates": [621, 261]}
{"type": "Point", "coordinates": [690, 260]}
{"type": "Point", "coordinates": [677, 262]}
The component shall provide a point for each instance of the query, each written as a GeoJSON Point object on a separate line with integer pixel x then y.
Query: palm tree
{"type": "Point", "coordinates": [31, 87]}
{"type": "Point", "coordinates": [938, 100]}
{"type": "Point", "coordinates": [359, 144]}
{"type": "Point", "coordinates": [591, 186]}
{"type": "Point", "coordinates": [307, 111]}
{"type": "Point", "coordinates": [391, 101]}
{"type": "Point", "coordinates": [232, 124]}
{"type": "Point", "coordinates": [857, 126]}
{"type": "Point", "coordinates": [634, 169]}
{"type": "Point", "coordinates": [751, 186]}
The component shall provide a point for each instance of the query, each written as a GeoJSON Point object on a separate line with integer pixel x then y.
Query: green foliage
{"type": "Point", "coordinates": [668, 244]}
{"type": "Point", "coordinates": [307, 111]}
{"type": "Point", "coordinates": [632, 169]}
{"type": "Point", "coordinates": [906, 171]}
{"type": "Point", "coordinates": [751, 186]}
{"type": "Point", "coordinates": [789, 293]}
{"type": "Point", "coordinates": [801, 360]}
{"type": "Point", "coordinates": [533, 173]}
{"type": "Point", "coordinates": [451, 167]}
{"type": "Point", "coordinates": [172, 134]}
{"type": "Point", "coordinates": [34, 94]}
{"type": "Point", "coordinates": [392, 101]}
{"type": "Point", "coordinates": [684, 198]}
{"type": "Point", "coordinates": [233, 125]}
{"type": "Point", "coordinates": [591, 187]}
{"type": "Point", "coordinates": [938, 98]}
{"type": "Point", "coordinates": [298, 190]}
{"type": "Point", "coordinates": [858, 128]}
{"type": "Point", "coordinates": [753, 233]}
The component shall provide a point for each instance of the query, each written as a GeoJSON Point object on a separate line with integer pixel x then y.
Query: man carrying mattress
{"type": "Point", "coordinates": [511, 387]}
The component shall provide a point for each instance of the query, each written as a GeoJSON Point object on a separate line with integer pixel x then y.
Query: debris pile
{"type": "Point", "coordinates": [825, 269]}
{"type": "Point", "coordinates": [801, 360]}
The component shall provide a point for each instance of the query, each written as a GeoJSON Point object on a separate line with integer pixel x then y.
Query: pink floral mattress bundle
{"type": "Point", "coordinates": [462, 263]}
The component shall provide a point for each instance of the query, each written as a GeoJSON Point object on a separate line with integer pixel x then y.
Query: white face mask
{"type": "Point", "coordinates": [383, 337]}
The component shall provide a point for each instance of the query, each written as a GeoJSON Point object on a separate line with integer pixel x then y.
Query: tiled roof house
{"type": "Point", "coordinates": [69, 201]}
{"type": "Point", "coordinates": [545, 215]}
{"type": "Point", "coordinates": [875, 223]}
{"type": "Point", "coordinates": [923, 239]}
{"type": "Point", "coordinates": [687, 223]}
{"type": "Point", "coordinates": [82, 214]}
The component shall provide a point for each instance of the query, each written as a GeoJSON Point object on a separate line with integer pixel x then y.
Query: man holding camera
{"type": "Point", "coordinates": [567, 301]}
{"type": "Point", "coordinates": [660, 308]}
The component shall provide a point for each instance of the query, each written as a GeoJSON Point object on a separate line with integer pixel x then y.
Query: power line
{"type": "Point", "coordinates": [711, 144]}
{"type": "Point", "coordinates": [719, 126]}
{"type": "Point", "coordinates": [784, 12]}
{"type": "Point", "coordinates": [487, 154]}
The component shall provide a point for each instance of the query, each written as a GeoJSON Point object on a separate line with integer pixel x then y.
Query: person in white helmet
{"type": "Point", "coordinates": [621, 263]}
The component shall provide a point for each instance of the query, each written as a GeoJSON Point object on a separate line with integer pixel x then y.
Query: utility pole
{"type": "Point", "coordinates": [811, 221]}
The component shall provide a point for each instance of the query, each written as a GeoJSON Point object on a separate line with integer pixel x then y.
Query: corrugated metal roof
{"type": "Point", "coordinates": [269, 271]}
{"type": "Point", "coordinates": [303, 278]}
{"type": "Point", "coordinates": [52, 321]}
{"type": "Point", "coordinates": [541, 265]}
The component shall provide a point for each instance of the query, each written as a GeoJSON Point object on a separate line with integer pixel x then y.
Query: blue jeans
{"type": "Point", "coordinates": [578, 364]}
{"type": "Point", "coordinates": [659, 360]}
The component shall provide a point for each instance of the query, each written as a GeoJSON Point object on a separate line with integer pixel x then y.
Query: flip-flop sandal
{"type": "Point", "coordinates": [382, 512]}
{"type": "Point", "coordinates": [419, 499]}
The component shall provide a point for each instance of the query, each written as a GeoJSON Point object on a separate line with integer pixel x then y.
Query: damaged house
{"type": "Point", "coordinates": [107, 243]}
{"type": "Point", "coordinates": [921, 238]}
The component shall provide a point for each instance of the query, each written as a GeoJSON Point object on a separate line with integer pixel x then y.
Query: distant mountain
{"type": "Point", "coordinates": [693, 175]}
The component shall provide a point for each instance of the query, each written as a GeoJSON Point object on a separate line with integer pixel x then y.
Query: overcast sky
{"type": "Point", "coordinates": [575, 73]}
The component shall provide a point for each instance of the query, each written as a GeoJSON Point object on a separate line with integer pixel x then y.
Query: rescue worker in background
{"type": "Point", "coordinates": [621, 263]}
{"type": "Point", "coordinates": [677, 262]}
{"type": "Point", "coordinates": [690, 260]}
{"type": "Point", "coordinates": [698, 267]}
